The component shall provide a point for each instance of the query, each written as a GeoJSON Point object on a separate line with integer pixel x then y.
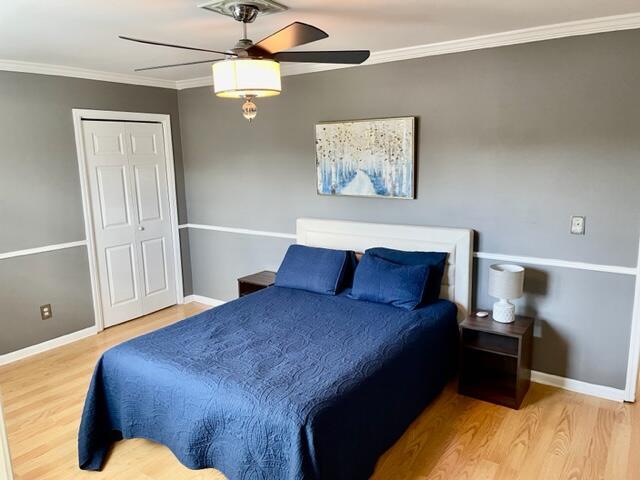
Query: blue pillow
{"type": "Point", "coordinates": [436, 262]}
{"type": "Point", "coordinates": [377, 280]}
{"type": "Point", "coordinates": [319, 270]}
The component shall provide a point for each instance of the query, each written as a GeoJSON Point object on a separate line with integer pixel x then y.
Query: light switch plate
{"type": "Point", "coordinates": [577, 225]}
{"type": "Point", "coordinates": [45, 311]}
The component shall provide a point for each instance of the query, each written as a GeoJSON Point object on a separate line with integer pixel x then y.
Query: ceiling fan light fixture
{"type": "Point", "coordinates": [251, 70]}
{"type": "Point", "coordinates": [246, 77]}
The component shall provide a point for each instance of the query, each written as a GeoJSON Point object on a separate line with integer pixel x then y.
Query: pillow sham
{"type": "Point", "coordinates": [436, 262]}
{"type": "Point", "coordinates": [319, 270]}
{"type": "Point", "coordinates": [378, 280]}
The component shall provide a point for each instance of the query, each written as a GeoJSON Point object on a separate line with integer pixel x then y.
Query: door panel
{"type": "Point", "coordinates": [121, 274]}
{"type": "Point", "coordinates": [144, 143]}
{"type": "Point", "coordinates": [112, 191]}
{"type": "Point", "coordinates": [148, 192]}
{"type": "Point", "coordinates": [153, 265]}
{"type": "Point", "coordinates": [108, 143]}
{"type": "Point", "coordinates": [126, 166]}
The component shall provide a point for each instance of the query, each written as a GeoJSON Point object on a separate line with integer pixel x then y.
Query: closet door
{"type": "Point", "coordinates": [154, 242]}
{"type": "Point", "coordinates": [129, 199]}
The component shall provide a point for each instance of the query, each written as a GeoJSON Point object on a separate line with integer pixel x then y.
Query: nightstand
{"type": "Point", "coordinates": [257, 281]}
{"type": "Point", "coordinates": [495, 359]}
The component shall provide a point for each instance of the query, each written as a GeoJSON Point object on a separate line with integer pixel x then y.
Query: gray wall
{"type": "Point", "coordinates": [220, 258]}
{"type": "Point", "coordinates": [40, 199]}
{"type": "Point", "coordinates": [582, 320]}
{"type": "Point", "coordinates": [60, 278]}
{"type": "Point", "coordinates": [511, 142]}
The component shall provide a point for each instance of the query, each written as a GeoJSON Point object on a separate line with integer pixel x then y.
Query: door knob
{"type": "Point", "coordinates": [141, 228]}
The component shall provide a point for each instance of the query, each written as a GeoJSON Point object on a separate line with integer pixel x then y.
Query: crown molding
{"type": "Point", "coordinates": [514, 37]}
{"type": "Point", "coordinates": [196, 82]}
{"type": "Point", "coordinates": [64, 71]}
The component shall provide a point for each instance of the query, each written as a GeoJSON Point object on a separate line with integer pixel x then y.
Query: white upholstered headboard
{"type": "Point", "coordinates": [457, 242]}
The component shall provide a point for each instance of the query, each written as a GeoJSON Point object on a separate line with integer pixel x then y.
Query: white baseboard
{"type": "Point", "coordinates": [48, 345]}
{"type": "Point", "coordinates": [578, 386]}
{"type": "Point", "coordinates": [204, 300]}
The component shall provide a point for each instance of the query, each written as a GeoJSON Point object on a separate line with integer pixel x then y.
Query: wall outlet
{"type": "Point", "coordinates": [45, 311]}
{"type": "Point", "coordinates": [577, 225]}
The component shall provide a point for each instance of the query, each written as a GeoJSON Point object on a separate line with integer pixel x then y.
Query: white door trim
{"type": "Point", "coordinates": [165, 121]}
{"type": "Point", "coordinates": [634, 342]}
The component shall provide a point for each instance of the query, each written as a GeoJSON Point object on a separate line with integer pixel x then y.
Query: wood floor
{"type": "Point", "coordinates": [556, 435]}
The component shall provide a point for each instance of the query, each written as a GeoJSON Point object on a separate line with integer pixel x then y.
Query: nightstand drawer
{"type": "Point", "coordinates": [247, 288]}
{"type": "Point", "coordinates": [490, 342]}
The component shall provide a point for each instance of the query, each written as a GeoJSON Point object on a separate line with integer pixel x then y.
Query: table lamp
{"type": "Point", "coordinates": [505, 283]}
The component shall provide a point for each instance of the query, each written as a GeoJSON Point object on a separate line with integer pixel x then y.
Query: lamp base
{"type": "Point", "coordinates": [504, 311]}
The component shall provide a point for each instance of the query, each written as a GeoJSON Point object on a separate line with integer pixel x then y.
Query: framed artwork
{"type": "Point", "coordinates": [366, 158]}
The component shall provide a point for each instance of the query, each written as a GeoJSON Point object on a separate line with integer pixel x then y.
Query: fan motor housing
{"type": "Point", "coordinates": [244, 11]}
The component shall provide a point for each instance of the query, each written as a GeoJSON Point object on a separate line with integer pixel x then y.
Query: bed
{"type": "Point", "coordinates": [284, 383]}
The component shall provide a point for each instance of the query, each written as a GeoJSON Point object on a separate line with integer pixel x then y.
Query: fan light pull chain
{"type": "Point", "coordinates": [249, 109]}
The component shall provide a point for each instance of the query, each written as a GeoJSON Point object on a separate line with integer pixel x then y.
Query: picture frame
{"type": "Point", "coordinates": [366, 158]}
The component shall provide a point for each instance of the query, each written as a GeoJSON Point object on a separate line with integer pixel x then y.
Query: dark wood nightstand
{"type": "Point", "coordinates": [495, 359]}
{"type": "Point", "coordinates": [257, 281]}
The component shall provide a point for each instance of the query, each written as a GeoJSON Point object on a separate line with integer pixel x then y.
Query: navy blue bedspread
{"type": "Point", "coordinates": [280, 384]}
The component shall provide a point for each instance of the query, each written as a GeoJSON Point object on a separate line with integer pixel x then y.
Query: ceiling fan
{"type": "Point", "coordinates": [250, 70]}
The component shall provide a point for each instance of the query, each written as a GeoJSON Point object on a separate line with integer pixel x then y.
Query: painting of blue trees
{"type": "Point", "coordinates": [367, 158]}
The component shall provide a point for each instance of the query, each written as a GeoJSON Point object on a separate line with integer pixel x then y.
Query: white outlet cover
{"type": "Point", "coordinates": [577, 225]}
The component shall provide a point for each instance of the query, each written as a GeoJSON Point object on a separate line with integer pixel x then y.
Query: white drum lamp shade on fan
{"type": "Point", "coordinates": [505, 283]}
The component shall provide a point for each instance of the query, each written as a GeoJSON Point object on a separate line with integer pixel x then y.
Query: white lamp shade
{"type": "Point", "coordinates": [237, 78]}
{"type": "Point", "coordinates": [506, 281]}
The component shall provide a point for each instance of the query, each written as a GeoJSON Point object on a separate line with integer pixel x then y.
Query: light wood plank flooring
{"type": "Point", "coordinates": [556, 435]}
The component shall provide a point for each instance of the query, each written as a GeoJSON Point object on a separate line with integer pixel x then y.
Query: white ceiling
{"type": "Point", "coordinates": [83, 33]}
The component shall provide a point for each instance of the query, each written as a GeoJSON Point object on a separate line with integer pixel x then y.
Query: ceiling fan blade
{"type": "Point", "coordinates": [211, 60]}
{"type": "Point", "coordinates": [151, 42]}
{"type": "Point", "coordinates": [353, 57]}
{"type": "Point", "coordinates": [293, 35]}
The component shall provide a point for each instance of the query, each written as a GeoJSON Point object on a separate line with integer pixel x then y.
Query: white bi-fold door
{"type": "Point", "coordinates": [126, 166]}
